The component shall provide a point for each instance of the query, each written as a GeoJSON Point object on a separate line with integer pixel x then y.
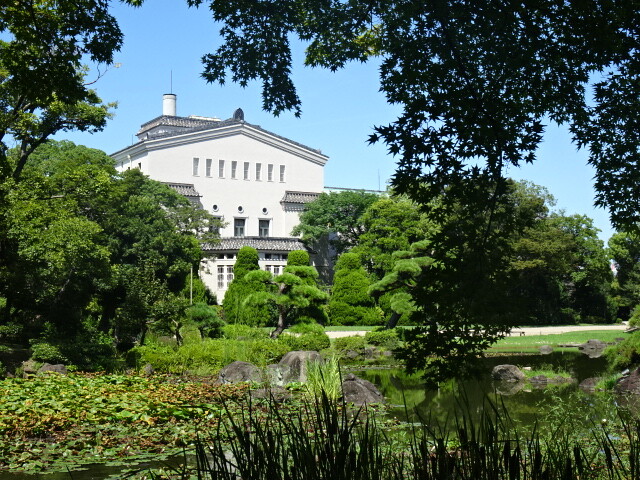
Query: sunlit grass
{"type": "Point", "coordinates": [531, 343]}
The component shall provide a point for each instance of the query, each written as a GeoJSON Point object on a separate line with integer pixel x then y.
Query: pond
{"type": "Point", "coordinates": [528, 406]}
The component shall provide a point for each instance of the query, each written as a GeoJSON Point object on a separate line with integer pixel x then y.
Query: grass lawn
{"type": "Point", "coordinates": [531, 343]}
{"type": "Point", "coordinates": [340, 328]}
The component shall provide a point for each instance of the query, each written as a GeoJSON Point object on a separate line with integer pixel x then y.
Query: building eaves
{"type": "Point", "coordinates": [186, 189]}
{"type": "Point", "coordinates": [276, 244]}
{"type": "Point", "coordinates": [299, 197]}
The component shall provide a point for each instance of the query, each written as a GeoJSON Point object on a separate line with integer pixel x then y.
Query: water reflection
{"type": "Point", "coordinates": [525, 405]}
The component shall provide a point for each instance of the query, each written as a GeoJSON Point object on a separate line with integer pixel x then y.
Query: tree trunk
{"type": "Point", "coordinates": [282, 322]}
{"type": "Point", "coordinates": [393, 321]}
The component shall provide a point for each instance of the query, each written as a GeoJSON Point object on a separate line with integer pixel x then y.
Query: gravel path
{"type": "Point", "coordinates": [518, 331]}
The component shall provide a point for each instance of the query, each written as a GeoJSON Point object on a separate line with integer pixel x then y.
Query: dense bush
{"type": "Point", "coordinates": [205, 318]}
{"type": "Point", "coordinates": [236, 308]}
{"type": "Point", "coordinates": [344, 344]}
{"type": "Point", "coordinates": [626, 354]}
{"type": "Point", "coordinates": [306, 341]}
{"type": "Point", "coordinates": [240, 331]}
{"type": "Point", "coordinates": [350, 302]}
{"type": "Point", "coordinates": [298, 258]}
{"type": "Point", "coordinates": [388, 339]}
{"type": "Point", "coordinates": [307, 327]}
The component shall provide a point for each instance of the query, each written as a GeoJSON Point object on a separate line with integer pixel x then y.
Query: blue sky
{"type": "Point", "coordinates": [164, 41]}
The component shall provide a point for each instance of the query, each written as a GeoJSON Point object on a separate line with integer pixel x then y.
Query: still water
{"type": "Point", "coordinates": [526, 407]}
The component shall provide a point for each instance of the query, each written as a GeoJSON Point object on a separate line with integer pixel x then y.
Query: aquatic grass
{"type": "Point", "coordinates": [323, 378]}
{"type": "Point", "coordinates": [326, 440]}
{"type": "Point", "coordinates": [531, 343]}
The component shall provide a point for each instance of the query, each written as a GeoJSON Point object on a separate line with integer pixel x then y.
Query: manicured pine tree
{"type": "Point", "coordinates": [314, 312]}
{"type": "Point", "coordinates": [350, 302]}
{"type": "Point", "coordinates": [236, 309]}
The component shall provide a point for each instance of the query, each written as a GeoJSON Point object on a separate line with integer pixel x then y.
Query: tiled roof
{"type": "Point", "coordinates": [299, 197]}
{"type": "Point", "coordinates": [186, 189]}
{"type": "Point", "coordinates": [197, 124]}
{"type": "Point", "coordinates": [280, 244]}
{"type": "Point", "coordinates": [171, 121]}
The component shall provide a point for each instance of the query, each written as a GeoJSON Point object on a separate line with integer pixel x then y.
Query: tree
{"type": "Point", "coordinates": [236, 309]}
{"type": "Point", "coordinates": [335, 215]}
{"type": "Point", "coordinates": [476, 82]}
{"type": "Point", "coordinates": [624, 248]}
{"type": "Point", "coordinates": [390, 224]}
{"type": "Point", "coordinates": [288, 292]}
{"type": "Point", "coordinates": [350, 302]}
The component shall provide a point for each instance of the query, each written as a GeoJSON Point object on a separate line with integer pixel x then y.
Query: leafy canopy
{"type": "Point", "coordinates": [477, 81]}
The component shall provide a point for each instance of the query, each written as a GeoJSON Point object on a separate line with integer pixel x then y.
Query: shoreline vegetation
{"type": "Point", "coordinates": [54, 422]}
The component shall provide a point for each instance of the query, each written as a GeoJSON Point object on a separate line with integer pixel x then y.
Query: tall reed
{"type": "Point", "coordinates": [327, 440]}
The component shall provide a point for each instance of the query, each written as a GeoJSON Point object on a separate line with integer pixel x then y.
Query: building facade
{"type": "Point", "coordinates": [257, 182]}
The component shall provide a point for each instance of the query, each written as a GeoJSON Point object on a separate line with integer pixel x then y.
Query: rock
{"type": "Point", "coordinates": [148, 370]}
{"type": "Point", "coordinates": [240, 372]}
{"type": "Point", "coordinates": [593, 348]}
{"type": "Point", "coordinates": [589, 384]}
{"type": "Point", "coordinates": [539, 380]}
{"type": "Point", "coordinates": [275, 394]}
{"type": "Point", "coordinates": [630, 383]}
{"type": "Point", "coordinates": [29, 367]}
{"type": "Point", "coordinates": [508, 388]}
{"type": "Point", "coordinates": [58, 368]}
{"type": "Point", "coordinates": [370, 352]}
{"type": "Point", "coordinates": [278, 374]}
{"type": "Point", "coordinates": [359, 392]}
{"type": "Point", "coordinates": [297, 363]}
{"type": "Point", "coordinates": [351, 354]}
{"type": "Point", "coordinates": [546, 349]}
{"type": "Point", "coordinates": [507, 373]}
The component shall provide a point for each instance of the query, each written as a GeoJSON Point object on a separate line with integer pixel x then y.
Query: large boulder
{"type": "Point", "coordinates": [278, 375]}
{"type": "Point", "coordinates": [297, 363]}
{"type": "Point", "coordinates": [240, 372]}
{"type": "Point", "coordinates": [593, 348]}
{"type": "Point", "coordinates": [57, 368]}
{"type": "Point", "coordinates": [629, 383]}
{"type": "Point", "coordinates": [507, 373]}
{"type": "Point", "coordinates": [359, 392]}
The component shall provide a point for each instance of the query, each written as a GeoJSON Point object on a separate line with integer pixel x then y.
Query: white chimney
{"type": "Point", "coordinates": [169, 104]}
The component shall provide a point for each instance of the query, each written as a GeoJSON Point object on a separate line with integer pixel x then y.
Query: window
{"type": "Point", "coordinates": [221, 168]}
{"type": "Point", "coordinates": [258, 171]}
{"type": "Point", "coordinates": [274, 269]}
{"type": "Point", "coordinates": [207, 168]}
{"type": "Point", "coordinates": [263, 228]}
{"type": "Point", "coordinates": [270, 172]}
{"type": "Point", "coordinates": [139, 166]}
{"type": "Point", "coordinates": [234, 168]}
{"type": "Point", "coordinates": [281, 173]}
{"type": "Point", "coordinates": [229, 274]}
{"type": "Point", "coordinates": [238, 227]}
{"type": "Point", "coordinates": [196, 164]}
{"type": "Point", "coordinates": [220, 277]}
{"type": "Point", "coordinates": [246, 170]}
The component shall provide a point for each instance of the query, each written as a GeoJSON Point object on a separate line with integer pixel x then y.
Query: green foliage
{"type": "Point", "coordinates": [324, 380]}
{"type": "Point", "coordinates": [390, 224]}
{"type": "Point", "coordinates": [306, 327]}
{"type": "Point", "coordinates": [626, 354]}
{"type": "Point", "coordinates": [47, 353]}
{"type": "Point", "coordinates": [624, 248]}
{"type": "Point", "coordinates": [298, 258]}
{"type": "Point", "coordinates": [239, 331]}
{"type": "Point", "coordinates": [101, 418]}
{"type": "Point", "coordinates": [383, 338]}
{"type": "Point", "coordinates": [355, 343]}
{"type": "Point", "coordinates": [316, 341]}
{"type": "Point", "coordinates": [350, 302]}
{"type": "Point", "coordinates": [206, 319]}
{"type": "Point", "coordinates": [235, 305]}
{"type": "Point", "coordinates": [335, 215]}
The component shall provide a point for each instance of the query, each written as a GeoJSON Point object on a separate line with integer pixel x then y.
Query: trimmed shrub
{"type": "Point", "coordinates": [344, 344]}
{"type": "Point", "coordinates": [298, 258]}
{"type": "Point", "coordinates": [307, 341]}
{"type": "Point", "coordinates": [383, 338]}
{"type": "Point", "coordinates": [47, 353]}
{"type": "Point", "coordinates": [236, 309]}
{"type": "Point", "coordinates": [350, 302]}
{"type": "Point", "coordinates": [307, 327]}
{"type": "Point", "coordinates": [205, 318]}
{"type": "Point", "coordinates": [242, 332]}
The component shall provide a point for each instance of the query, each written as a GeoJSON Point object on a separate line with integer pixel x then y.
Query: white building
{"type": "Point", "coordinates": [254, 180]}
